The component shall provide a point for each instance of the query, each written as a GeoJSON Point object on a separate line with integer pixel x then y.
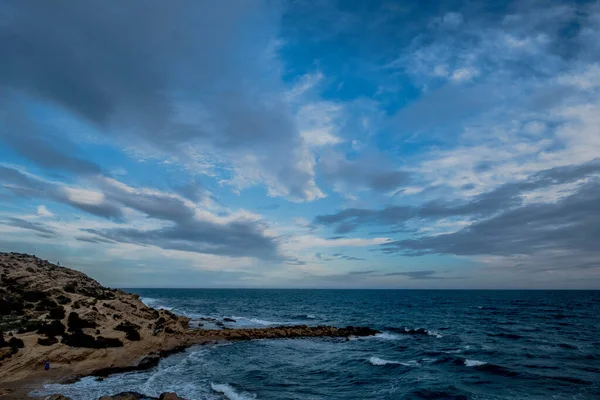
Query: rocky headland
{"type": "Point", "coordinates": [56, 315]}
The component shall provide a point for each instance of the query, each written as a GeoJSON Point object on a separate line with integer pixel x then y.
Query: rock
{"type": "Point", "coordinates": [127, 396]}
{"type": "Point", "coordinates": [229, 320]}
{"type": "Point", "coordinates": [148, 362]}
{"type": "Point", "coordinates": [57, 397]}
{"type": "Point", "coordinates": [170, 396]}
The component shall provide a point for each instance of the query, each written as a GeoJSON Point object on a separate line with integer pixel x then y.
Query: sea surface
{"type": "Point", "coordinates": [477, 345]}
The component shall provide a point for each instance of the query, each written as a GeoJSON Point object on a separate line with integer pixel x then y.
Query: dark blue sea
{"type": "Point", "coordinates": [478, 345]}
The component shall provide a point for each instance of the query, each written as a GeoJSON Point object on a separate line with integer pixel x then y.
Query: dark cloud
{"type": "Point", "coordinates": [188, 232]}
{"type": "Point", "coordinates": [369, 272]}
{"type": "Point", "coordinates": [94, 239]}
{"type": "Point", "coordinates": [39, 143]}
{"type": "Point", "coordinates": [505, 197]}
{"type": "Point", "coordinates": [421, 275]}
{"type": "Point", "coordinates": [28, 186]}
{"type": "Point", "coordinates": [367, 172]}
{"type": "Point", "coordinates": [337, 256]}
{"type": "Point", "coordinates": [157, 75]}
{"type": "Point", "coordinates": [413, 275]}
{"type": "Point", "coordinates": [234, 239]}
{"type": "Point", "coordinates": [572, 224]}
{"type": "Point", "coordinates": [42, 229]}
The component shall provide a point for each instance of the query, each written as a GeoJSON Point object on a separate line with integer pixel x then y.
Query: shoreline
{"type": "Point", "coordinates": [121, 360]}
{"type": "Point", "coordinates": [54, 314]}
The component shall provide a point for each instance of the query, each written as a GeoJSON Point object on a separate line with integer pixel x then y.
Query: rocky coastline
{"type": "Point", "coordinates": [55, 315]}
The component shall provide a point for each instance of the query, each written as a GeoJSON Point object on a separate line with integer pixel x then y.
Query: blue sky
{"type": "Point", "coordinates": [350, 144]}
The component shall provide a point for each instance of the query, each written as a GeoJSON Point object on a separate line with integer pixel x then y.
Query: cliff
{"type": "Point", "coordinates": [58, 315]}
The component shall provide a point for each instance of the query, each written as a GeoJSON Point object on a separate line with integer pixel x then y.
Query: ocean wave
{"type": "Point", "coordinates": [414, 331]}
{"type": "Point", "coordinates": [303, 316]}
{"type": "Point", "coordinates": [230, 392]}
{"type": "Point", "coordinates": [150, 302]}
{"type": "Point", "coordinates": [260, 321]}
{"type": "Point", "coordinates": [474, 363]}
{"type": "Point", "coordinates": [380, 361]}
{"type": "Point", "coordinates": [505, 335]}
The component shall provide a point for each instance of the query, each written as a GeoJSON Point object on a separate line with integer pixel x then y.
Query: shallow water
{"type": "Point", "coordinates": [475, 345]}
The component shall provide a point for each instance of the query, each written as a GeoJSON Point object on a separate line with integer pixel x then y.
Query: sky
{"type": "Point", "coordinates": [304, 144]}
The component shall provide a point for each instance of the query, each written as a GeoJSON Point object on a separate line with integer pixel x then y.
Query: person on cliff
{"type": "Point", "coordinates": [46, 365]}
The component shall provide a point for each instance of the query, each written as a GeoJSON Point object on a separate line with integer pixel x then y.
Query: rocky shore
{"type": "Point", "coordinates": [55, 315]}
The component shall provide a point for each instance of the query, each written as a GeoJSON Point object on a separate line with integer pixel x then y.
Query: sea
{"type": "Point", "coordinates": [473, 345]}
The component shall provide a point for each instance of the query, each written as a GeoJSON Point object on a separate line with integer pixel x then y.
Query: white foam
{"type": "Point", "coordinates": [380, 361]}
{"type": "Point", "coordinates": [260, 321]}
{"type": "Point", "coordinates": [474, 363]}
{"type": "Point", "coordinates": [148, 301]}
{"type": "Point", "coordinates": [230, 392]}
{"type": "Point", "coordinates": [385, 336]}
{"type": "Point", "coordinates": [436, 334]}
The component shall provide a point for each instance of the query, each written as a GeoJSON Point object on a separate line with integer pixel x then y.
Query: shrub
{"type": "Point", "coordinates": [76, 324]}
{"type": "Point", "coordinates": [70, 287]}
{"type": "Point", "coordinates": [57, 313]}
{"type": "Point", "coordinates": [16, 343]}
{"type": "Point", "coordinates": [54, 328]}
{"type": "Point", "coordinates": [49, 341]}
{"type": "Point", "coordinates": [79, 339]}
{"type": "Point", "coordinates": [63, 299]}
{"type": "Point", "coordinates": [29, 326]}
{"type": "Point", "coordinates": [34, 295]}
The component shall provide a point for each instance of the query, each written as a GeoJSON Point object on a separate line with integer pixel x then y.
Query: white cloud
{"type": "Point", "coordinates": [83, 196]}
{"type": "Point", "coordinates": [42, 211]}
{"type": "Point", "coordinates": [464, 74]}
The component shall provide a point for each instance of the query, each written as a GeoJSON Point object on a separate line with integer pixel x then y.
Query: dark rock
{"type": "Point", "coordinates": [148, 362]}
{"type": "Point", "coordinates": [229, 320]}
{"type": "Point", "coordinates": [130, 329]}
{"type": "Point", "coordinates": [57, 397]}
{"type": "Point", "coordinates": [170, 396]}
{"type": "Point", "coordinates": [127, 396]}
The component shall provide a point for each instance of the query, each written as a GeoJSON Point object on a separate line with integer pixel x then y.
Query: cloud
{"type": "Point", "coordinates": [569, 225]}
{"type": "Point", "coordinates": [174, 80]}
{"type": "Point", "coordinates": [365, 173]}
{"type": "Point", "coordinates": [183, 225]}
{"type": "Point", "coordinates": [42, 211]}
{"type": "Point", "coordinates": [30, 186]}
{"type": "Point", "coordinates": [505, 197]}
{"type": "Point", "coordinates": [38, 227]}
{"type": "Point", "coordinates": [38, 142]}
